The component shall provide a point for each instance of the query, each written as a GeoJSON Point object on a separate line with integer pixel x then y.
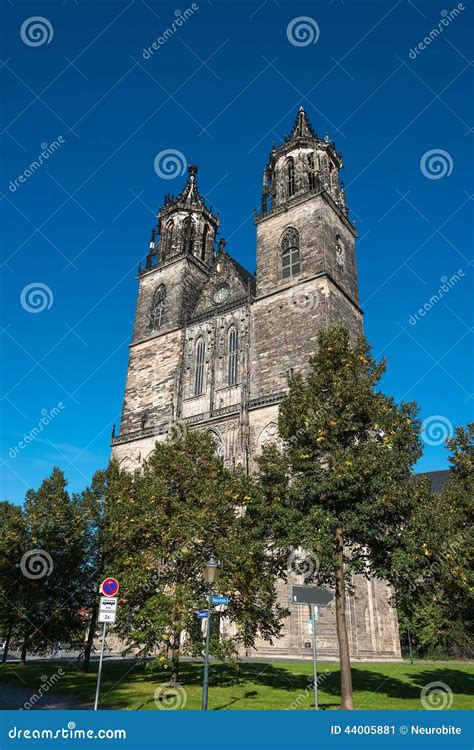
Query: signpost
{"type": "Point", "coordinates": [217, 599]}
{"type": "Point", "coordinates": [107, 614]}
{"type": "Point", "coordinates": [314, 596]}
{"type": "Point", "coordinates": [201, 614]}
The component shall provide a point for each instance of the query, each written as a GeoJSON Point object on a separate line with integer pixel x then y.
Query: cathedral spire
{"type": "Point", "coordinates": [190, 194]}
{"type": "Point", "coordinates": [302, 127]}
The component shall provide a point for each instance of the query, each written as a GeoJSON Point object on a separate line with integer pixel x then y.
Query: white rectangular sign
{"type": "Point", "coordinates": [106, 617]}
{"type": "Point", "coordinates": [108, 604]}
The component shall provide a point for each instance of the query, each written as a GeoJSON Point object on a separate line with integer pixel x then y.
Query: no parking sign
{"type": "Point", "coordinates": [109, 587]}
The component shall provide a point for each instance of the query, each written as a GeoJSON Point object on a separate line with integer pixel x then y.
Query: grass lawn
{"type": "Point", "coordinates": [130, 685]}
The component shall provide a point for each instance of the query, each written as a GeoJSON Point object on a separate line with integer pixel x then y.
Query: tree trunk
{"type": "Point", "coordinates": [344, 658]}
{"type": "Point", "coordinates": [90, 637]}
{"type": "Point", "coordinates": [23, 652]}
{"type": "Point", "coordinates": [174, 678]}
{"type": "Point", "coordinates": [7, 643]}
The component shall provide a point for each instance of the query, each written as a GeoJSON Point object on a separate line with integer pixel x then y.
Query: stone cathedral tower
{"type": "Point", "coordinates": [213, 345]}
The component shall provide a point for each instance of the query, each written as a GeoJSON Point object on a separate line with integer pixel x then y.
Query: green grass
{"type": "Point", "coordinates": [244, 685]}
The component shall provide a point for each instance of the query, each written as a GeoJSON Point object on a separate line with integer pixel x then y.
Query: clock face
{"type": "Point", "coordinates": [220, 294]}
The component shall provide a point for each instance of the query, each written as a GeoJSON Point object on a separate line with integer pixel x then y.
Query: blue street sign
{"type": "Point", "coordinates": [219, 599]}
{"type": "Point", "coordinates": [201, 614]}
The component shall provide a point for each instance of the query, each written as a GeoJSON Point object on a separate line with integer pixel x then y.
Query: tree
{"type": "Point", "coordinates": [12, 547]}
{"type": "Point", "coordinates": [343, 485]}
{"type": "Point", "coordinates": [52, 566]}
{"type": "Point", "coordinates": [433, 565]}
{"type": "Point", "coordinates": [164, 526]}
{"type": "Point", "coordinates": [108, 484]}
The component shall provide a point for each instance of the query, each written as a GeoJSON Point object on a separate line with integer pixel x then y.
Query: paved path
{"type": "Point", "coordinates": [17, 696]}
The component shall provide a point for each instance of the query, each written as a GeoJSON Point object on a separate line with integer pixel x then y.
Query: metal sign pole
{"type": "Point", "coordinates": [205, 684]}
{"type": "Point", "coordinates": [99, 673]}
{"type": "Point", "coordinates": [315, 665]}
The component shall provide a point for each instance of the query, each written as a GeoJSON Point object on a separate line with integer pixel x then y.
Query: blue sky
{"type": "Point", "coordinates": [225, 84]}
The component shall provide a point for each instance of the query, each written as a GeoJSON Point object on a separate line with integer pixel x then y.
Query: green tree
{"type": "Point", "coordinates": [107, 487]}
{"type": "Point", "coordinates": [348, 449]}
{"type": "Point", "coordinates": [164, 526]}
{"type": "Point", "coordinates": [52, 566]}
{"type": "Point", "coordinates": [433, 564]}
{"type": "Point", "coordinates": [12, 547]}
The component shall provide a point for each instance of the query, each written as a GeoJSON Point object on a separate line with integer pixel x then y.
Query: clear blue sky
{"type": "Point", "coordinates": [219, 90]}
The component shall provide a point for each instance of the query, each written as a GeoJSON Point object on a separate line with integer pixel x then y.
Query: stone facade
{"type": "Point", "coordinates": [213, 345]}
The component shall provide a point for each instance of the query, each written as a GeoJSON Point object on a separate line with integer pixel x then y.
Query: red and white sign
{"type": "Point", "coordinates": [109, 587]}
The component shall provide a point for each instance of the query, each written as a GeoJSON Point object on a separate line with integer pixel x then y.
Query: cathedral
{"type": "Point", "coordinates": [213, 345]}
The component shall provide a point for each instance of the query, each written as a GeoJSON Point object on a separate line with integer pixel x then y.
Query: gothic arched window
{"type": "Point", "coordinates": [168, 243]}
{"type": "Point", "coordinates": [290, 253]}
{"type": "Point", "coordinates": [189, 232]}
{"type": "Point", "coordinates": [232, 357]}
{"type": "Point", "coordinates": [290, 176]}
{"type": "Point", "coordinates": [158, 308]}
{"type": "Point", "coordinates": [204, 242]}
{"type": "Point", "coordinates": [339, 252]}
{"type": "Point", "coordinates": [199, 367]}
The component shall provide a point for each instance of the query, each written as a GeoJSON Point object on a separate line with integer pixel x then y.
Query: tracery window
{"type": "Point", "coordinates": [290, 253]}
{"type": "Point", "coordinates": [290, 176]}
{"type": "Point", "coordinates": [158, 308]}
{"type": "Point", "coordinates": [199, 367]}
{"type": "Point", "coordinates": [233, 353]}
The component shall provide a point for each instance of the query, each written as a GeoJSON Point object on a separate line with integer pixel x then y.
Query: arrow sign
{"type": "Point", "coordinates": [219, 599]}
{"type": "Point", "coordinates": [312, 595]}
{"type": "Point", "coordinates": [109, 587]}
{"type": "Point", "coordinates": [201, 614]}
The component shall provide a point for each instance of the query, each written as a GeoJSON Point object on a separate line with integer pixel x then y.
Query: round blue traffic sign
{"type": "Point", "coordinates": [109, 587]}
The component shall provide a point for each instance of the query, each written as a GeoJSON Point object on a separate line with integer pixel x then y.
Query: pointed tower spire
{"type": "Point", "coordinates": [190, 194]}
{"type": "Point", "coordinates": [302, 127]}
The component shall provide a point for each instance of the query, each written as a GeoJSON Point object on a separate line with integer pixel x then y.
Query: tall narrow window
{"type": "Point", "coordinates": [204, 242]}
{"type": "Point", "coordinates": [168, 238]}
{"type": "Point", "coordinates": [290, 253]}
{"type": "Point", "coordinates": [188, 235]}
{"type": "Point", "coordinates": [233, 353]}
{"type": "Point", "coordinates": [290, 176]}
{"type": "Point", "coordinates": [311, 175]}
{"type": "Point", "coordinates": [158, 308]}
{"type": "Point", "coordinates": [199, 374]}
